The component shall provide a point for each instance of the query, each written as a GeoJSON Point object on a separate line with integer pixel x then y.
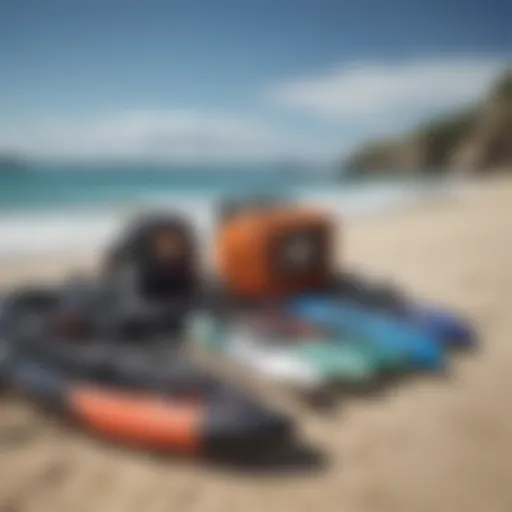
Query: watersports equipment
{"type": "Point", "coordinates": [273, 236]}
{"type": "Point", "coordinates": [411, 344]}
{"type": "Point", "coordinates": [150, 397]}
{"type": "Point", "coordinates": [274, 253]}
{"type": "Point", "coordinates": [446, 326]}
{"type": "Point", "coordinates": [286, 351]}
{"type": "Point", "coordinates": [154, 257]}
{"type": "Point", "coordinates": [108, 354]}
{"type": "Point", "coordinates": [281, 252]}
{"type": "Point", "coordinates": [194, 423]}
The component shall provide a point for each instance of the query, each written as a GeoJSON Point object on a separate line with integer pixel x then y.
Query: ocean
{"type": "Point", "coordinates": [71, 207]}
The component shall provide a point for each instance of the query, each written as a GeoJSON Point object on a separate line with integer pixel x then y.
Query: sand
{"type": "Point", "coordinates": [428, 444]}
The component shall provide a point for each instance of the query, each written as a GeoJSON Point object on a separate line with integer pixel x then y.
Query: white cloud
{"type": "Point", "coordinates": [166, 135]}
{"type": "Point", "coordinates": [368, 89]}
{"type": "Point", "coordinates": [367, 98]}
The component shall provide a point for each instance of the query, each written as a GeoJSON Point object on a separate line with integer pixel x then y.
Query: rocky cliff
{"type": "Point", "coordinates": [475, 140]}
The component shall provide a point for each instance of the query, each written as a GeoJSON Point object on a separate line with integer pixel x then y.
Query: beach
{"type": "Point", "coordinates": [440, 444]}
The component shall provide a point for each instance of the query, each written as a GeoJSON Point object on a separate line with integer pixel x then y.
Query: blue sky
{"type": "Point", "coordinates": [236, 79]}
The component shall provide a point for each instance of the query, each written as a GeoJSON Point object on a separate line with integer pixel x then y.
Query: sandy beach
{"type": "Point", "coordinates": [428, 444]}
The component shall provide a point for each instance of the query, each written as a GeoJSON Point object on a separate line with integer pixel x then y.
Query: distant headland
{"type": "Point", "coordinates": [10, 162]}
{"type": "Point", "coordinates": [476, 140]}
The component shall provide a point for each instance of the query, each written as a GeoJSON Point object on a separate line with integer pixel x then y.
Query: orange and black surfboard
{"type": "Point", "coordinates": [219, 424]}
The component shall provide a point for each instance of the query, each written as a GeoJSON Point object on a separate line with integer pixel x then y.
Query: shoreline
{"type": "Point", "coordinates": [53, 261]}
{"type": "Point", "coordinates": [44, 233]}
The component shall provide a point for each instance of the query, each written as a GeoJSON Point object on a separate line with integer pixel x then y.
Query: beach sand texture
{"type": "Point", "coordinates": [428, 444]}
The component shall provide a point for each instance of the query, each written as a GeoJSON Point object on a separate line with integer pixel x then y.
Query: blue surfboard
{"type": "Point", "coordinates": [419, 346]}
{"type": "Point", "coordinates": [387, 299]}
{"type": "Point", "coordinates": [443, 325]}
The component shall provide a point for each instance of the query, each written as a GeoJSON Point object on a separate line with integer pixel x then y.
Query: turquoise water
{"type": "Point", "coordinates": [54, 187]}
{"type": "Point", "coordinates": [47, 208]}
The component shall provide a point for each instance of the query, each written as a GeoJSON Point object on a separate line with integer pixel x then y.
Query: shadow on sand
{"type": "Point", "coordinates": [332, 399]}
{"type": "Point", "coordinates": [292, 460]}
